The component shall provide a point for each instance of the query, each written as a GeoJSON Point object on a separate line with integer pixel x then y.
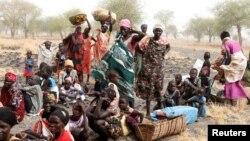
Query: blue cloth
{"type": "Point", "coordinates": [190, 113]}
{"type": "Point", "coordinates": [200, 103]}
{"type": "Point", "coordinates": [52, 82]}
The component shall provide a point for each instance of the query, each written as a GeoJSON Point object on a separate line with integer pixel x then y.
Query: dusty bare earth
{"type": "Point", "coordinates": [180, 60]}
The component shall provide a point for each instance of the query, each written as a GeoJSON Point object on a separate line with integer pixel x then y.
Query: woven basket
{"type": "Point", "coordinates": [78, 19]}
{"type": "Point", "coordinates": [159, 129]}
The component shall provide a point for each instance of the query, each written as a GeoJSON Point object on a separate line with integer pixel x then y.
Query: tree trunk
{"type": "Point", "coordinates": [210, 38]}
{"type": "Point", "coordinates": [61, 34]}
{"type": "Point", "coordinates": [239, 34]}
{"type": "Point", "coordinates": [175, 35]}
{"type": "Point", "coordinates": [33, 35]}
{"type": "Point", "coordinates": [198, 37]}
{"type": "Point", "coordinates": [26, 33]}
{"type": "Point", "coordinates": [12, 32]}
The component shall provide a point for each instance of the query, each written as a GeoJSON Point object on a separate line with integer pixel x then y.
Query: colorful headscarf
{"type": "Point", "coordinates": [68, 63]}
{"type": "Point", "coordinates": [11, 76]}
{"type": "Point", "coordinates": [125, 23]}
{"type": "Point", "coordinates": [50, 96]}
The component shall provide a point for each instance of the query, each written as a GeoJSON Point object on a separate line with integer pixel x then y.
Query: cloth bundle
{"type": "Point", "coordinates": [102, 15]}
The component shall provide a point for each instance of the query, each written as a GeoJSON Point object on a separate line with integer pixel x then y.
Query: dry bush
{"type": "Point", "coordinates": [200, 135]}
{"type": "Point", "coordinates": [3, 71]}
{"type": "Point", "coordinates": [24, 44]}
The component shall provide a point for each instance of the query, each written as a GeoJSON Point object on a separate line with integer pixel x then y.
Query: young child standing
{"type": "Point", "coordinates": [205, 83]}
{"type": "Point", "coordinates": [60, 59]}
{"type": "Point", "coordinates": [206, 65]}
{"type": "Point", "coordinates": [28, 72]}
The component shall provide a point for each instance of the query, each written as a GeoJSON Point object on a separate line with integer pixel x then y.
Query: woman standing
{"type": "Point", "coordinates": [86, 62]}
{"type": "Point", "coordinates": [12, 97]}
{"type": "Point", "coordinates": [103, 36]}
{"type": "Point", "coordinates": [150, 78]}
{"type": "Point", "coordinates": [77, 52]}
{"type": "Point", "coordinates": [234, 69]}
{"type": "Point", "coordinates": [130, 36]}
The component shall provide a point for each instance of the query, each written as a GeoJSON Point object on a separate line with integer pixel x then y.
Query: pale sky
{"type": "Point", "coordinates": [183, 9]}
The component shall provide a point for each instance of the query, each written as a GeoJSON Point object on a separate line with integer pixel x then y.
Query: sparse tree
{"type": "Point", "coordinates": [129, 9]}
{"type": "Point", "coordinates": [209, 27]}
{"type": "Point", "coordinates": [30, 13]}
{"type": "Point", "coordinates": [196, 28]}
{"type": "Point", "coordinates": [165, 17]}
{"type": "Point", "coordinates": [233, 13]}
{"type": "Point", "coordinates": [18, 14]}
{"type": "Point", "coordinates": [60, 24]}
{"type": "Point", "coordinates": [173, 30]}
{"type": "Point", "coordinates": [10, 12]}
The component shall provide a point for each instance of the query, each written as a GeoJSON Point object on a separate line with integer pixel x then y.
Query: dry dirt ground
{"type": "Point", "coordinates": [180, 60]}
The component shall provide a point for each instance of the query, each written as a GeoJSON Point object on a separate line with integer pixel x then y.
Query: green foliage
{"type": "Point", "coordinates": [233, 13]}
{"type": "Point", "coordinates": [129, 9]}
{"type": "Point", "coordinates": [60, 24]}
{"type": "Point", "coordinates": [196, 28]}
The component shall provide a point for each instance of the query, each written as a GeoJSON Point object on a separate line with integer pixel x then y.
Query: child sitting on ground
{"type": "Point", "coordinates": [191, 84]}
{"type": "Point", "coordinates": [179, 83]}
{"type": "Point", "coordinates": [68, 71]}
{"type": "Point", "coordinates": [33, 95]}
{"type": "Point", "coordinates": [68, 93]}
{"type": "Point", "coordinates": [199, 101]}
{"type": "Point", "coordinates": [132, 116]}
{"type": "Point", "coordinates": [78, 122]}
{"type": "Point", "coordinates": [48, 83]}
{"type": "Point", "coordinates": [29, 63]}
{"type": "Point", "coordinates": [172, 95]}
{"type": "Point", "coordinates": [100, 84]}
{"type": "Point", "coordinates": [103, 116]}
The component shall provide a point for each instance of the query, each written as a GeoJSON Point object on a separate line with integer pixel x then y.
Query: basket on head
{"type": "Point", "coordinates": [78, 19]}
{"type": "Point", "coordinates": [102, 15]}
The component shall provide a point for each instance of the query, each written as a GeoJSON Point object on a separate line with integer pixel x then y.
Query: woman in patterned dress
{"type": "Point", "coordinates": [150, 79]}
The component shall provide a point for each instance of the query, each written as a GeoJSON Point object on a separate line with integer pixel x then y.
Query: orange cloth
{"type": "Point", "coordinates": [86, 63]}
{"type": "Point", "coordinates": [101, 46]}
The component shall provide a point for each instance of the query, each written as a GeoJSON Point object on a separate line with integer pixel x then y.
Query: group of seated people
{"type": "Point", "coordinates": [193, 91]}
{"type": "Point", "coordinates": [44, 97]}
{"type": "Point", "coordinates": [108, 114]}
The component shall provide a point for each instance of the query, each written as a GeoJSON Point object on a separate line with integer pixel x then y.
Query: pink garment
{"type": "Point", "coordinates": [125, 23]}
{"type": "Point", "coordinates": [232, 46]}
{"type": "Point", "coordinates": [128, 43]}
{"type": "Point", "coordinates": [234, 90]}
